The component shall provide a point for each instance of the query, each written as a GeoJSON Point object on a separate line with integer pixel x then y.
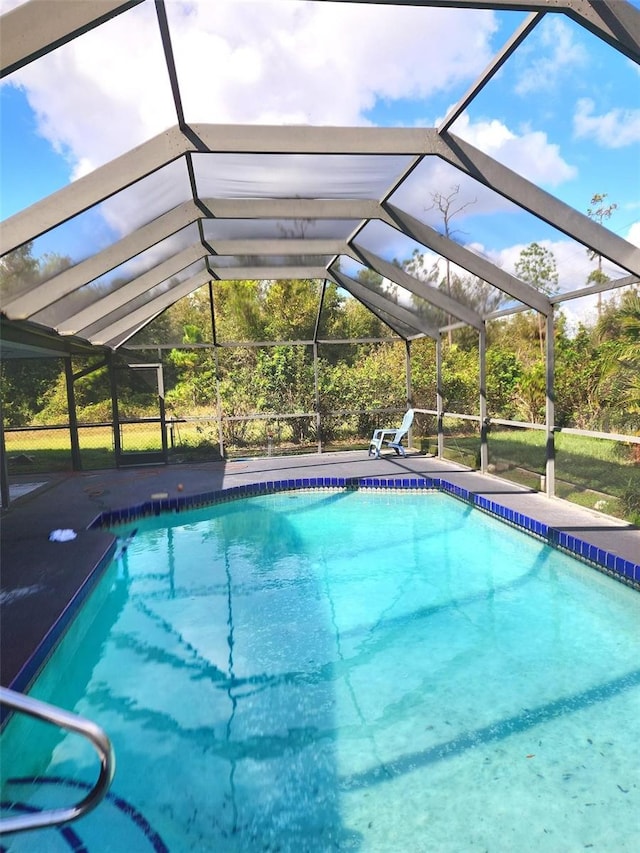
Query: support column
{"type": "Point", "coordinates": [316, 386]}
{"type": "Point", "coordinates": [5, 499]}
{"type": "Point", "coordinates": [550, 408]}
{"type": "Point", "coordinates": [409, 387]}
{"type": "Point", "coordinates": [212, 313]}
{"type": "Point", "coordinates": [117, 446]}
{"type": "Point", "coordinates": [482, 352]}
{"type": "Point", "coordinates": [163, 412]}
{"type": "Point", "coordinates": [218, 401]}
{"type": "Point", "coordinates": [76, 458]}
{"type": "Point", "coordinates": [439, 404]}
{"type": "Point", "coordinates": [214, 340]}
{"type": "Point", "coordinates": [316, 332]}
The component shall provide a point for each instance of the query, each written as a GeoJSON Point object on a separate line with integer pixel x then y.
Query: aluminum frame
{"type": "Point", "coordinates": [29, 31]}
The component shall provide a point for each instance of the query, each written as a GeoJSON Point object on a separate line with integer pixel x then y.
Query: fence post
{"type": "Point", "coordinates": [409, 387]}
{"type": "Point", "coordinates": [550, 470]}
{"type": "Point", "coordinates": [317, 395]}
{"type": "Point", "coordinates": [216, 361]}
{"type": "Point", "coordinates": [484, 446]}
{"type": "Point", "coordinates": [114, 409]}
{"type": "Point", "coordinates": [439, 406]}
{"type": "Point", "coordinates": [76, 458]}
{"type": "Point", "coordinates": [163, 411]}
{"type": "Point", "coordinates": [4, 468]}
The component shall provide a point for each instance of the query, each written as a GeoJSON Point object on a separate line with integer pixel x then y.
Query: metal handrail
{"type": "Point", "coordinates": [74, 723]}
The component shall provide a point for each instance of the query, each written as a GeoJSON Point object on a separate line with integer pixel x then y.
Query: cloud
{"type": "Point", "coordinates": [239, 62]}
{"type": "Point", "coordinates": [480, 208]}
{"type": "Point", "coordinates": [615, 129]}
{"type": "Point", "coordinates": [320, 63]}
{"type": "Point", "coordinates": [246, 62]}
{"type": "Point", "coordinates": [556, 53]}
{"type": "Point", "coordinates": [530, 153]}
{"type": "Point", "coordinates": [633, 235]}
{"type": "Point", "coordinates": [101, 94]}
{"type": "Point", "coordinates": [272, 62]}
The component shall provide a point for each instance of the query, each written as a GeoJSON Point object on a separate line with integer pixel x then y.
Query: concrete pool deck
{"type": "Point", "coordinates": [40, 578]}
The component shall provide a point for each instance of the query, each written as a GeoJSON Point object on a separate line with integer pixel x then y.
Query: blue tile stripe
{"type": "Point", "coordinates": [625, 570]}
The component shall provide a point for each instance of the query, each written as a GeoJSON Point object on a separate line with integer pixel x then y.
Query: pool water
{"type": "Point", "coordinates": [316, 671]}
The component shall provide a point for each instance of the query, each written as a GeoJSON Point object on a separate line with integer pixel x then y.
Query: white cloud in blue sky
{"type": "Point", "coordinates": [321, 63]}
{"type": "Point", "coordinates": [558, 53]}
{"type": "Point", "coordinates": [616, 128]}
{"type": "Point", "coordinates": [529, 153]}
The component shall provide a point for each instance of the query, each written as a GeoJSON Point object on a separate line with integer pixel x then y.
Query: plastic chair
{"type": "Point", "coordinates": [391, 437]}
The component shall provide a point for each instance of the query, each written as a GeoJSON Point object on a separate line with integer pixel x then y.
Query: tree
{"type": "Point", "coordinates": [504, 370]}
{"type": "Point", "coordinates": [344, 317]}
{"type": "Point", "coordinates": [18, 271]}
{"type": "Point", "coordinates": [599, 212]}
{"type": "Point", "coordinates": [425, 269]}
{"type": "Point", "coordinates": [622, 358]}
{"type": "Point", "coordinates": [288, 383]}
{"type": "Point", "coordinates": [291, 309]}
{"type": "Point", "coordinates": [446, 205]}
{"type": "Point", "coordinates": [537, 266]}
{"type": "Point", "coordinates": [460, 374]}
{"type": "Point", "coordinates": [578, 371]}
{"type": "Point", "coordinates": [530, 394]}
{"type": "Point", "coordinates": [25, 384]}
{"type": "Point", "coordinates": [239, 310]}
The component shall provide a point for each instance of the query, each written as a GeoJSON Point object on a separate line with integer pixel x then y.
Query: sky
{"type": "Point", "coordinates": [564, 111]}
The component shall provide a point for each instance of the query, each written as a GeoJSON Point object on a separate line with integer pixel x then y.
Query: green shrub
{"type": "Point", "coordinates": [630, 502]}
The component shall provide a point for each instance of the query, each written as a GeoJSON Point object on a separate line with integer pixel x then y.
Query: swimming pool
{"type": "Point", "coordinates": [344, 670]}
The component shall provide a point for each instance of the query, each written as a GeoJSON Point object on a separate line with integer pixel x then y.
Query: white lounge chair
{"type": "Point", "coordinates": [391, 437]}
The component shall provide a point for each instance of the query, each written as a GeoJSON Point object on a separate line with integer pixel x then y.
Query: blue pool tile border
{"type": "Point", "coordinates": [626, 571]}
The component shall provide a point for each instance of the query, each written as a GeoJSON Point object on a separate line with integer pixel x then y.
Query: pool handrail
{"type": "Point", "coordinates": [73, 723]}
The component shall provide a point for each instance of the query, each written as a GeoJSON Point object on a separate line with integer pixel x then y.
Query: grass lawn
{"type": "Point", "coordinates": [591, 472]}
{"type": "Point", "coordinates": [42, 451]}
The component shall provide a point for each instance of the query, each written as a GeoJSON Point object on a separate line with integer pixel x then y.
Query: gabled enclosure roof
{"type": "Point", "coordinates": [202, 201]}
